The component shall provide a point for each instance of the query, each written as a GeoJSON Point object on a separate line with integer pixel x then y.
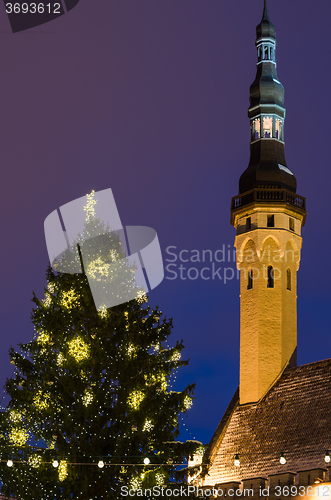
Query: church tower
{"type": "Point", "coordinates": [268, 216]}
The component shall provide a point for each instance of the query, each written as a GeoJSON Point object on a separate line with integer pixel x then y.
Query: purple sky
{"type": "Point", "coordinates": [150, 98]}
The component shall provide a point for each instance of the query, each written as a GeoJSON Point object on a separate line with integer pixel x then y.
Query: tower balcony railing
{"type": "Point", "coordinates": [265, 195]}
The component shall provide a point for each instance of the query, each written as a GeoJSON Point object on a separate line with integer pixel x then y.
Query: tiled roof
{"type": "Point", "coordinates": [294, 417]}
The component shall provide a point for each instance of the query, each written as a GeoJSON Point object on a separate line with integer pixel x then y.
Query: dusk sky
{"type": "Point", "coordinates": [150, 98]}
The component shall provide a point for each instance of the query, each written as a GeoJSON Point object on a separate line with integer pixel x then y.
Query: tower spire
{"type": "Point", "coordinates": [267, 166]}
{"type": "Point", "coordinates": [265, 16]}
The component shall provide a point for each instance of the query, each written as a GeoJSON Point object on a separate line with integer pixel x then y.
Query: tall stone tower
{"type": "Point", "coordinates": [268, 216]}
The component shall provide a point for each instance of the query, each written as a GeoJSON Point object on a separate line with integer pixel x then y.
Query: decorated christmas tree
{"type": "Point", "coordinates": [91, 403]}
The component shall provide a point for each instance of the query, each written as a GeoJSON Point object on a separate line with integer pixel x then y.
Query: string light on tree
{"type": "Point", "coordinates": [92, 381]}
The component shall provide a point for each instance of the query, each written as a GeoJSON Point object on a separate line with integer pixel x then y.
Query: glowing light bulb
{"type": "Point", "coordinates": [10, 463]}
{"type": "Point", "coordinates": [282, 459]}
{"type": "Point", "coordinates": [327, 457]}
{"type": "Point", "coordinates": [55, 463]}
{"type": "Point", "coordinates": [101, 464]}
{"type": "Point", "coordinates": [236, 460]}
{"type": "Point", "coordinates": [146, 461]}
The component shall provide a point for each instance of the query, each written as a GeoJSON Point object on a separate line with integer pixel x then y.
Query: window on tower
{"type": "Point", "coordinates": [288, 279]}
{"type": "Point", "coordinates": [278, 129]}
{"type": "Point", "coordinates": [267, 127]}
{"type": "Point", "coordinates": [256, 129]}
{"type": "Point", "coordinates": [250, 280]}
{"type": "Point", "coordinates": [266, 56]}
{"type": "Point", "coordinates": [270, 221]}
{"type": "Point", "coordinates": [270, 277]}
{"type": "Point", "coordinates": [291, 225]}
{"type": "Point", "coordinates": [248, 224]}
{"type": "Point", "coordinates": [259, 52]}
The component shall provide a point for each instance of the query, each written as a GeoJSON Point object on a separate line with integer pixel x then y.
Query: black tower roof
{"type": "Point", "coordinates": [267, 166]}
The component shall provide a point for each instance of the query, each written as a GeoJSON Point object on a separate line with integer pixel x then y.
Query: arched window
{"type": "Point", "coordinates": [250, 279]}
{"type": "Point", "coordinates": [270, 277]}
{"type": "Point", "coordinates": [278, 129]}
{"type": "Point", "coordinates": [267, 126]}
{"type": "Point", "coordinates": [256, 129]}
{"type": "Point", "coordinates": [288, 280]}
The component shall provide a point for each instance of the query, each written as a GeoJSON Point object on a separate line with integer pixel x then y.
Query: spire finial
{"type": "Point", "coordinates": [265, 12]}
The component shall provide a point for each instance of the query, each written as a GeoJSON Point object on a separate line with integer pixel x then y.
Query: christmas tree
{"type": "Point", "coordinates": [91, 403]}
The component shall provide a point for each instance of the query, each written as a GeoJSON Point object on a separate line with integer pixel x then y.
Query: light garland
{"type": "Point", "coordinates": [47, 301]}
{"type": "Point", "coordinates": [141, 297]}
{"type": "Point", "coordinates": [43, 338]}
{"type": "Point", "coordinates": [135, 399]}
{"type": "Point", "coordinates": [15, 416]}
{"type": "Point", "coordinates": [148, 426]}
{"type": "Point", "coordinates": [97, 269]}
{"type": "Point", "coordinates": [175, 356]}
{"type": "Point", "coordinates": [159, 478]}
{"type": "Point", "coordinates": [41, 401]}
{"type": "Point", "coordinates": [60, 359]}
{"type": "Point", "coordinates": [103, 312]}
{"type": "Point", "coordinates": [18, 437]}
{"type": "Point", "coordinates": [87, 399]}
{"type": "Point", "coordinates": [132, 351]}
{"type": "Point", "coordinates": [159, 379]}
{"type": "Point", "coordinates": [187, 402]}
{"type": "Point", "coordinates": [78, 349]}
{"type": "Point", "coordinates": [35, 461]}
{"type": "Point", "coordinates": [135, 483]}
{"type": "Point", "coordinates": [89, 207]}
{"type": "Point", "coordinates": [63, 470]}
{"type": "Point", "coordinates": [69, 299]}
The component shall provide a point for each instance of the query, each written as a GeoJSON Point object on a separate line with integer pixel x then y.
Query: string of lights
{"type": "Point", "coordinates": [282, 457]}
{"type": "Point", "coordinates": [146, 461]}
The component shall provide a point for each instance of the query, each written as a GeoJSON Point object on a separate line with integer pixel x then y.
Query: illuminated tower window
{"type": "Point", "coordinates": [288, 279]}
{"type": "Point", "coordinates": [278, 128]}
{"type": "Point", "coordinates": [267, 127]}
{"type": "Point", "coordinates": [256, 127]}
{"type": "Point", "coordinates": [270, 277]}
